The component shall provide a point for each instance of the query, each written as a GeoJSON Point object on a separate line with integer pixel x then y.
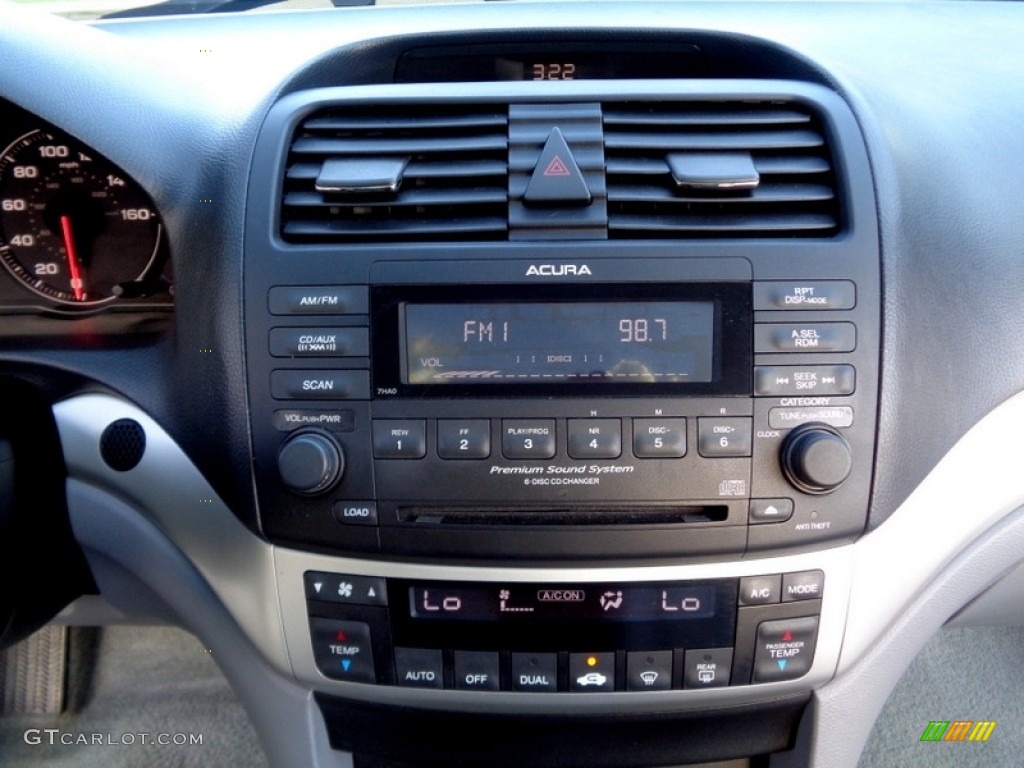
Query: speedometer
{"type": "Point", "coordinates": [73, 227]}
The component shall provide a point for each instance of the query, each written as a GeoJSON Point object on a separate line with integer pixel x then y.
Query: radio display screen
{"type": "Point", "coordinates": [630, 342]}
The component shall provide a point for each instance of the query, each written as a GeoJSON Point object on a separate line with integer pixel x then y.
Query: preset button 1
{"type": "Point", "coordinates": [399, 439]}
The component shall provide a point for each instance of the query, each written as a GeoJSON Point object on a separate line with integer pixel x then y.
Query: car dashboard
{"type": "Point", "coordinates": [608, 384]}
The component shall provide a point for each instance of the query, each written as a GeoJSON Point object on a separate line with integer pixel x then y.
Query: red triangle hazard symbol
{"type": "Point", "coordinates": [557, 167]}
{"type": "Point", "coordinates": [787, 636]}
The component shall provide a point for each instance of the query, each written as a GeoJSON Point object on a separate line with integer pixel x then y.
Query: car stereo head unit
{"type": "Point", "coordinates": [609, 406]}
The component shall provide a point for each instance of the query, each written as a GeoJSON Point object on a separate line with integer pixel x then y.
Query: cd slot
{"type": "Point", "coordinates": [564, 516]}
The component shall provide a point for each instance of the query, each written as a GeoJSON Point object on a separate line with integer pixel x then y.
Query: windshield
{"type": "Point", "coordinates": [89, 10]}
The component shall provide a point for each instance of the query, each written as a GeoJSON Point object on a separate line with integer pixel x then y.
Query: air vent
{"type": "Point", "coordinates": [700, 170]}
{"type": "Point", "coordinates": [394, 174]}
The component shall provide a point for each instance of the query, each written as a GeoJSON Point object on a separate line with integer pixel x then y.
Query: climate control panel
{"type": "Point", "coordinates": [564, 638]}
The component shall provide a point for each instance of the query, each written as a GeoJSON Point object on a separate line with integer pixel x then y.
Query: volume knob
{"type": "Point", "coordinates": [310, 463]}
{"type": "Point", "coordinates": [816, 459]}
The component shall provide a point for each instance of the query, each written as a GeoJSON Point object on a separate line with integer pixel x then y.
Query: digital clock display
{"type": "Point", "coordinates": [630, 342]}
{"type": "Point", "coordinates": [554, 70]}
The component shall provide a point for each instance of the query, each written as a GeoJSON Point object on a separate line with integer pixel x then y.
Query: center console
{"type": "Point", "coordinates": [569, 456]}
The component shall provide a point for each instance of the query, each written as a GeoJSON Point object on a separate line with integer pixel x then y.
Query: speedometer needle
{"type": "Point", "coordinates": [75, 267]}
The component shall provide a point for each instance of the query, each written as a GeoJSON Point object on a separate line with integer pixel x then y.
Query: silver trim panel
{"type": "Point", "coordinates": [868, 584]}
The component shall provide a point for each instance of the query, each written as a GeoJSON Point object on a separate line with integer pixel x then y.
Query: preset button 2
{"type": "Point", "coordinates": [463, 438]}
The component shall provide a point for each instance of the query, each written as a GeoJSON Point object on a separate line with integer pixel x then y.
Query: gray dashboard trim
{"type": "Point", "coordinates": [129, 554]}
{"type": "Point", "coordinates": [170, 492]}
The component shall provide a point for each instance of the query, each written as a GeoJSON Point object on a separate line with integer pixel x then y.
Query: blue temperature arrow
{"type": "Point", "coordinates": [346, 663]}
{"type": "Point", "coordinates": [783, 663]}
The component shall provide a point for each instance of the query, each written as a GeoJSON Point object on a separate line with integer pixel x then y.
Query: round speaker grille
{"type": "Point", "coordinates": [122, 444]}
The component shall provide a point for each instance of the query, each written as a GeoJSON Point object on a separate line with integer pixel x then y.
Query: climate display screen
{"type": "Point", "coordinates": [521, 602]}
{"type": "Point", "coordinates": [628, 342]}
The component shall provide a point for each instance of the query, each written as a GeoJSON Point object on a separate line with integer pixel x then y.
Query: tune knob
{"type": "Point", "coordinates": [816, 459]}
{"type": "Point", "coordinates": [310, 463]}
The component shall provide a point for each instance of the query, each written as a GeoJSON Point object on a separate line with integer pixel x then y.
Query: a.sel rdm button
{"type": "Point", "coordinates": [805, 337]}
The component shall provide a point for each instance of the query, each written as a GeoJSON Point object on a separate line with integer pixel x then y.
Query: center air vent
{"type": "Point", "coordinates": [691, 169]}
{"type": "Point", "coordinates": [392, 174]}
{"type": "Point", "coordinates": [617, 170]}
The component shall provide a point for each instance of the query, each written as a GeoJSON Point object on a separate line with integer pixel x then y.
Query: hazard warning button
{"type": "Point", "coordinates": [556, 178]}
{"type": "Point", "coordinates": [785, 649]}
